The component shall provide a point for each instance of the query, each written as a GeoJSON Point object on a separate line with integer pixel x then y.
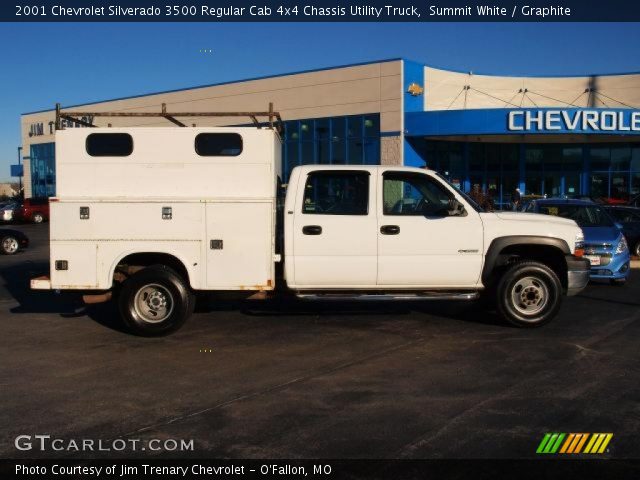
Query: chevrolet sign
{"type": "Point", "coordinates": [574, 120]}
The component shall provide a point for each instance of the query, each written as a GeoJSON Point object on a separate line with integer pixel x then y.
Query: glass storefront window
{"type": "Point", "coordinates": [43, 170]}
{"type": "Point", "coordinates": [322, 129]}
{"type": "Point", "coordinates": [599, 158]}
{"type": "Point", "coordinates": [371, 151]}
{"type": "Point", "coordinates": [599, 185]}
{"type": "Point", "coordinates": [292, 155]}
{"type": "Point", "coordinates": [620, 159]}
{"type": "Point", "coordinates": [354, 126]}
{"type": "Point", "coordinates": [619, 186]}
{"type": "Point", "coordinates": [635, 184]}
{"type": "Point", "coordinates": [371, 125]}
{"type": "Point", "coordinates": [635, 159]}
{"type": "Point", "coordinates": [572, 184]}
{"type": "Point", "coordinates": [335, 140]}
{"type": "Point", "coordinates": [322, 152]}
{"type": "Point", "coordinates": [306, 130]}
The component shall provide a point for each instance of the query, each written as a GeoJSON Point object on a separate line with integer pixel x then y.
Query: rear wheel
{"type": "Point", "coordinates": [9, 245]}
{"type": "Point", "coordinates": [529, 294]}
{"type": "Point", "coordinates": [636, 250]}
{"type": "Point", "coordinates": [37, 218]}
{"type": "Point", "coordinates": [155, 301]}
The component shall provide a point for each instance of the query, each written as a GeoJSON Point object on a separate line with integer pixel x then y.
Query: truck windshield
{"type": "Point", "coordinates": [469, 200]}
{"type": "Point", "coordinates": [583, 215]}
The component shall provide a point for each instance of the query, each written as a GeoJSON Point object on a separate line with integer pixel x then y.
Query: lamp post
{"type": "Point", "coordinates": [19, 176]}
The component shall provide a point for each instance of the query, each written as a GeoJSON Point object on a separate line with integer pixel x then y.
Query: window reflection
{"type": "Point", "coordinates": [348, 140]}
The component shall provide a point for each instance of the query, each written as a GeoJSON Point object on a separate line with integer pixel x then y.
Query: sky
{"type": "Point", "coordinates": [42, 64]}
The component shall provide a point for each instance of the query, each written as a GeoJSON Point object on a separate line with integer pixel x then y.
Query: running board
{"type": "Point", "coordinates": [391, 296]}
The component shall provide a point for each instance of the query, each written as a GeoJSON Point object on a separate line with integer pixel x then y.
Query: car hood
{"type": "Point", "coordinates": [600, 234]}
{"type": "Point", "coordinates": [534, 217]}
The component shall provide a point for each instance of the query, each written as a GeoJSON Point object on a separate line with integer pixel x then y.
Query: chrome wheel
{"type": "Point", "coordinates": [637, 250]}
{"type": "Point", "coordinates": [10, 245]}
{"type": "Point", "coordinates": [153, 303]}
{"type": "Point", "coordinates": [37, 218]}
{"type": "Point", "coordinates": [529, 296]}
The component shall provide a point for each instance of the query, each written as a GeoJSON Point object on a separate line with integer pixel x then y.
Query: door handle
{"type": "Point", "coordinates": [390, 229]}
{"type": "Point", "coordinates": [312, 230]}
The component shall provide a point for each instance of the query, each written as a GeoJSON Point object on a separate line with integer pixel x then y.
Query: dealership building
{"type": "Point", "coordinates": [554, 135]}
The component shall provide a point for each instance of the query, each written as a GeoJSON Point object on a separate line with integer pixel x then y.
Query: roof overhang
{"type": "Point", "coordinates": [524, 121]}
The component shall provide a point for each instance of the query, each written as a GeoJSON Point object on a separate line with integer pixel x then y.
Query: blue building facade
{"type": "Point", "coordinates": [501, 142]}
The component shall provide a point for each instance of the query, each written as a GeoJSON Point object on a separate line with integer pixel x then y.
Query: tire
{"type": "Point", "coordinates": [9, 245]}
{"type": "Point", "coordinates": [529, 294]}
{"type": "Point", "coordinates": [37, 218]}
{"type": "Point", "coordinates": [636, 250]}
{"type": "Point", "coordinates": [155, 301]}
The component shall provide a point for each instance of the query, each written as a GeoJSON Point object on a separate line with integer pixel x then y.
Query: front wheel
{"type": "Point", "coordinates": [155, 301]}
{"type": "Point", "coordinates": [37, 218]}
{"type": "Point", "coordinates": [9, 245]}
{"type": "Point", "coordinates": [529, 294]}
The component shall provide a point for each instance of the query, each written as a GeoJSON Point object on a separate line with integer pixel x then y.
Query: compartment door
{"type": "Point", "coordinates": [239, 245]}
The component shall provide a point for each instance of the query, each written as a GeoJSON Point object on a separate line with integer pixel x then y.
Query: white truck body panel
{"type": "Point", "coordinates": [231, 199]}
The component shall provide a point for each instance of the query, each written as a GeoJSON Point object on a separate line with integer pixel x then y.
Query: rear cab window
{"type": "Point", "coordinates": [336, 193]}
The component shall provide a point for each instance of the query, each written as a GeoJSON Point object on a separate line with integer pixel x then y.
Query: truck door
{"type": "Point", "coordinates": [334, 230]}
{"type": "Point", "coordinates": [420, 244]}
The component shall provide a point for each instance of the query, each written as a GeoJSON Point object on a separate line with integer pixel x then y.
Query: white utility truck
{"type": "Point", "coordinates": [149, 216]}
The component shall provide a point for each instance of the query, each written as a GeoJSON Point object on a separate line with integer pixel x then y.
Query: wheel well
{"type": "Point", "coordinates": [136, 261]}
{"type": "Point", "coordinates": [548, 255]}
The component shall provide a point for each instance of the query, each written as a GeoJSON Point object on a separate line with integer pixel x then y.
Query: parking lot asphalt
{"type": "Point", "coordinates": [310, 380]}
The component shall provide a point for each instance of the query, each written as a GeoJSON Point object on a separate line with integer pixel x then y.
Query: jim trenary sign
{"type": "Point", "coordinates": [574, 121]}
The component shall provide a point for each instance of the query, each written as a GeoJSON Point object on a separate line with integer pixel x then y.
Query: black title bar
{"type": "Point", "coordinates": [319, 11]}
{"type": "Point", "coordinates": [207, 469]}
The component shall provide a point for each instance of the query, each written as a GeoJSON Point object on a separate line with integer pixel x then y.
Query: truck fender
{"type": "Point", "coordinates": [499, 244]}
{"type": "Point", "coordinates": [190, 280]}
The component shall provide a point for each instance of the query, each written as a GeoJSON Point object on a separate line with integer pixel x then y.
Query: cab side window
{"type": "Point", "coordinates": [336, 193]}
{"type": "Point", "coordinates": [414, 194]}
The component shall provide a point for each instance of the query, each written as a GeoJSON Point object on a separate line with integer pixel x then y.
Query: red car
{"type": "Point", "coordinates": [35, 210]}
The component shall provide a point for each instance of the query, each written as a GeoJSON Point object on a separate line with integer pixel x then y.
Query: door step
{"type": "Point", "coordinates": [390, 296]}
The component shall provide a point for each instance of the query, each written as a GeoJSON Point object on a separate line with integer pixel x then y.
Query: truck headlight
{"type": "Point", "coordinates": [579, 244]}
{"type": "Point", "coordinates": [622, 246]}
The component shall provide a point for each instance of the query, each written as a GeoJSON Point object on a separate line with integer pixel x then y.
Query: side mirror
{"type": "Point", "coordinates": [455, 208]}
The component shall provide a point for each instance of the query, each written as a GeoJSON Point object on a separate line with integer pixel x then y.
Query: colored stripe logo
{"type": "Point", "coordinates": [571, 443]}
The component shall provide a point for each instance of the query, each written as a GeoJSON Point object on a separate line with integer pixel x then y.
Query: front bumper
{"type": "Point", "coordinates": [618, 268]}
{"type": "Point", "coordinates": [578, 271]}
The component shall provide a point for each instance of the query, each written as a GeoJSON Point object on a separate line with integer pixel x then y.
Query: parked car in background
{"type": "Point", "coordinates": [634, 202]}
{"type": "Point", "coordinates": [12, 241]}
{"type": "Point", "coordinates": [7, 211]}
{"type": "Point", "coordinates": [629, 218]}
{"type": "Point", "coordinates": [33, 210]}
{"type": "Point", "coordinates": [604, 244]}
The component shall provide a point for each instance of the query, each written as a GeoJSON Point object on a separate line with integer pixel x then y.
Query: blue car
{"type": "Point", "coordinates": [604, 243]}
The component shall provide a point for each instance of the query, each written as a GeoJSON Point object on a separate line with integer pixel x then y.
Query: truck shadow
{"type": "Point", "coordinates": [461, 311]}
{"type": "Point", "coordinates": [16, 282]}
{"type": "Point", "coordinates": [16, 278]}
